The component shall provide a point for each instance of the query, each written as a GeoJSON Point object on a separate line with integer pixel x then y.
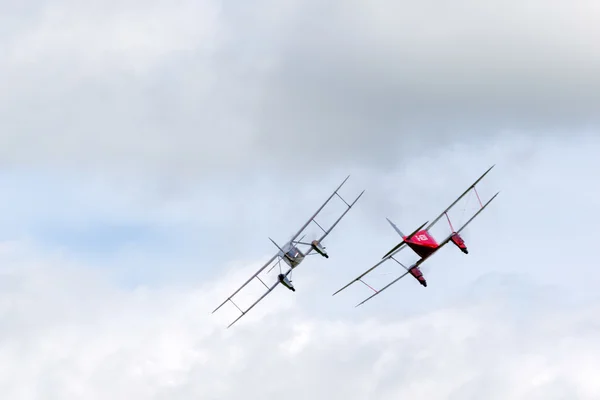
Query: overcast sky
{"type": "Point", "coordinates": [149, 148]}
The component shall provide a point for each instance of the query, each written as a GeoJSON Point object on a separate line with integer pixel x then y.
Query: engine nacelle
{"type": "Point", "coordinates": [285, 282]}
{"type": "Point", "coordinates": [416, 272]}
{"type": "Point", "coordinates": [459, 242]}
{"type": "Point", "coordinates": [318, 248]}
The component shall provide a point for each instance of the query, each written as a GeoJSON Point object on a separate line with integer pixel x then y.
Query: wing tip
{"type": "Point", "coordinates": [494, 196]}
{"type": "Point", "coordinates": [488, 170]}
{"type": "Point", "coordinates": [339, 290]}
{"type": "Point", "coordinates": [221, 305]}
{"type": "Point", "coordinates": [358, 197]}
{"type": "Point", "coordinates": [361, 303]}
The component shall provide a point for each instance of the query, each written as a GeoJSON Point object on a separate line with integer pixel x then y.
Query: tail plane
{"type": "Point", "coordinates": [402, 235]}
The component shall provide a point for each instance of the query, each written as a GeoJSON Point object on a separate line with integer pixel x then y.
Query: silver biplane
{"type": "Point", "coordinates": [423, 243]}
{"type": "Point", "coordinates": [292, 255]}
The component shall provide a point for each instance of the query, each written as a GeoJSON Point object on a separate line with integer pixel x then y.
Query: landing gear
{"type": "Point", "coordinates": [285, 282]}
{"type": "Point", "coordinates": [316, 246]}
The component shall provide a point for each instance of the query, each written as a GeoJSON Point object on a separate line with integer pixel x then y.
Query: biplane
{"type": "Point", "coordinates": [291, 254]}
{"type": "Point", "coordinates": [423, 243]}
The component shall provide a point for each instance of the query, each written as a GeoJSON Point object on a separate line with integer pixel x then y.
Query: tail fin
{"type": "Point", "coordinates": [402, 235]}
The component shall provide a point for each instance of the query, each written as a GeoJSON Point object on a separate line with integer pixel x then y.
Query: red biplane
{"type": "Point", "coordinates": [423, 243]}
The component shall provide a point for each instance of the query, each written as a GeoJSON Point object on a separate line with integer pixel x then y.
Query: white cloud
{"type": "Point", "coordinates": [68, 334]}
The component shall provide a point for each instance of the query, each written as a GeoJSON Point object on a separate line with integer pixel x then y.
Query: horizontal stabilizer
{"type": "Point", "coordinates": [396, 228]}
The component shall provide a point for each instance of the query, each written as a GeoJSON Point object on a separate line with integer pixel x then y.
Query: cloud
{"type": "Point", "coordinates": [503, 322]}
{"type": "Point", "coordinates": [393, 80]}
{"type": "Point", "coordinates": [198, 89]}
{"type": "Point", "coordinates": [149, 149]}
{"type": "Point", "coordinates": [68, 333]}
{"type": "Point", "coordinates": [151, 235]}
{"type": "Point", "coordinates": [107, 35]}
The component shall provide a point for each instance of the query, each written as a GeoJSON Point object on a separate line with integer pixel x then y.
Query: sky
{"type": "Point", "coordinates": [149, 149]}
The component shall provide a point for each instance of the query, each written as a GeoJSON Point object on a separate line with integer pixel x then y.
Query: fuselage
{"type": "Point", "coordinates": [422, 243]}
{"type": "Point", "coordinates": [292, 255]}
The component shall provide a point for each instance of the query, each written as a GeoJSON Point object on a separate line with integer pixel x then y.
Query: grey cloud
{"type": "Point", "coordinates": [410, 78]}
{"type": "Point", "coordinates": [289, 85]}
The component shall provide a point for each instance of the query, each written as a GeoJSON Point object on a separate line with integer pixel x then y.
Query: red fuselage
{"type": "Point", "coordinates": [422, 243]}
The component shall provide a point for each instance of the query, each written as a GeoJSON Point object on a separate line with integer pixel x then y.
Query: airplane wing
{"type": "Point", "coordinates": [293, 240]}
{"type": "Point", "coordinates": [312, 219]}
{"type": "Point", "coordinates": [269, 290]}
{"type": "Point", "coordinates": [421, 260]}
{"type": "Point", "coordinates": [389, 256]}
{"type": "Point", "coordinates": [326, 232]}
{"type": "Point", "coordinates": [472, 187]}
{"type": "Point", "coordinates": [247, 282]}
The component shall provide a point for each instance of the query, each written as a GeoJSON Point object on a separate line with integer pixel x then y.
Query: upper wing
{"type": "Point", "coordinates": [294, 241]}
{"type": "Point", "coordinates": [326, 232]}
{"type": "Point", "coordinates": [312, 219]}
{"type": "Point", "coordinates": [388, 256]}
{"type": "Point", "coordinates": [472, 187]}
{"type": "Point", "coordinates": [469, 221]}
